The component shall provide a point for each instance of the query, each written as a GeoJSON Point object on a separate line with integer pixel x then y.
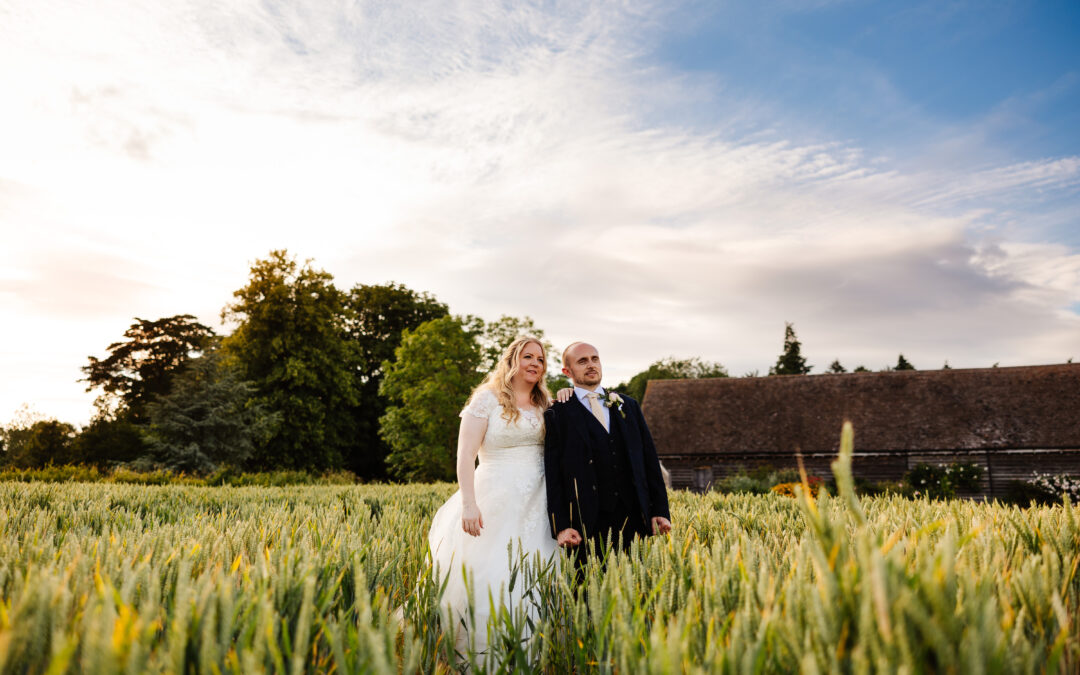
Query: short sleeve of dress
{"type": "Point", "coordinates": [481, 404]}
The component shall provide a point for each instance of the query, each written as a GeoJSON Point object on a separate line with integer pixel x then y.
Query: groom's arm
{"type": "Point", "coordinates": [653, 476]}
{"type": "Point", "coordinates": [558, 502]}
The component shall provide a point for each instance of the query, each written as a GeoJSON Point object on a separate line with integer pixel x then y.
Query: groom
{"type": "Point", "coordinates": [603, 477]}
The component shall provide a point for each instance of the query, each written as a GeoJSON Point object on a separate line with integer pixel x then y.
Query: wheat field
{"type": "Point", "coordinates": [177, 579]}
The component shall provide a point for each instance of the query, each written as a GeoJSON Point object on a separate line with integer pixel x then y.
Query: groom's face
{"type": "Point", "coordinates": [582, 365]}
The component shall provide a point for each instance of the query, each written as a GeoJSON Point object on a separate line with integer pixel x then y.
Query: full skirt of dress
{"type": "Point", "coordinates": [512, 498]}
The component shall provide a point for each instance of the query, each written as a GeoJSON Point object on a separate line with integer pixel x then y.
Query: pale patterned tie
{"type": "Point", "coordinates": [597, 411]}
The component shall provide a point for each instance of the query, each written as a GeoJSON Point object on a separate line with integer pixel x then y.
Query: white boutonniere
{"type": "Point", "coordinates": [613, 399]}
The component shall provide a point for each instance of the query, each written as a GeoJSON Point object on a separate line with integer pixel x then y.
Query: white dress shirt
{"type": "Point", "coordinates": [583, 396]}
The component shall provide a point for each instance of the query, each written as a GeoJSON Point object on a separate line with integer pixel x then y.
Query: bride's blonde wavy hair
{"type": "Point", "coordinates": [499, 379]}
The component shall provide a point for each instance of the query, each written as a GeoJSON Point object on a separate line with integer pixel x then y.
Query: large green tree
{"type": "Point", "coordinates": [141, 366]}
{"type": "Point", "coordinates": [434, 370]}
{"type": "Point", "coordinates": [208, 419]}
{"type": "Point", "coordinates": [791, 361]}
{"type": "Point", "coordinates": [670, 369]}
{"type": "Point", "coordinates": [378, 314]}
{"type": "Point", "coordinates": [292, 341]}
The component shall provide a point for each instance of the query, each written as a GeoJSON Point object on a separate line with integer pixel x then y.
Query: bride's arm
{"type": "Point", "coordinates": [470, 437]}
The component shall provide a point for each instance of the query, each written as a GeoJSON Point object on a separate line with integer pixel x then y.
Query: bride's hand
{"type": "Point", "coordinates": [471, 520]}
{"type": "Point", "coordinates": [564, 394]}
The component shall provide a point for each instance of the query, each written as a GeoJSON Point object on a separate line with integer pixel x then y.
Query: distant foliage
{"type": "Point", "coordinates": [670, 369]}
{"type": "Point", "coordinates": [791, 361]}
{"type": "Point", "coordinates": [107, 442]}
{"type": "Point", "coordinates": [903, 364]}
{"type": "Point", "coordinates": [428, 383]}
{"type": "Point", "coordinates": [836, 367]}
{"type": "Point", "coordinates": [31, 441]}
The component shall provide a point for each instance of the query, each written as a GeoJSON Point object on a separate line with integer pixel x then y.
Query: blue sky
{"type": "Point", "coordinates": [884, 74]}
{"type": "Point", "coordinates": [658, 178]}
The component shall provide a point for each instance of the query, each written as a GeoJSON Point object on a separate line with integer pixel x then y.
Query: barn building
{"type": "Point", "coordinates": [1011, 421]}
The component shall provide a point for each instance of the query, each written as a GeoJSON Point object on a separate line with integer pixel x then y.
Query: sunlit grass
{"type": "Point", "coordinates": [105, 578]}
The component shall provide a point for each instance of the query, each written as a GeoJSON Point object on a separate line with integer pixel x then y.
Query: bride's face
{"type": "Point", "coordinates": [531, 364]}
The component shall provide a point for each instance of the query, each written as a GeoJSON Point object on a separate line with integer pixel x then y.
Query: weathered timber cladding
{"type": "Point", "coordinates": [1012, 421]}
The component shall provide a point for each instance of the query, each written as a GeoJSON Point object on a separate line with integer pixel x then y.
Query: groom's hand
{"type": "Point", "coordinates": [568, 537]}
{"type": "Point", "coordinates": [661, 525]}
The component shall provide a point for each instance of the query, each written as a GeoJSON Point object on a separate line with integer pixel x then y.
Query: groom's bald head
{"type": "Point", "coordinates": [581, 363]}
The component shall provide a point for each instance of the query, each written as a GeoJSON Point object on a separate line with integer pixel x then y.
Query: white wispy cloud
{"type": "Point", "coordinates": [511, 159]}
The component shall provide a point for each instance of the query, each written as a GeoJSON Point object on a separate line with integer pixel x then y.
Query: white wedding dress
{"type": "Point", "coordinates": [512, 497]}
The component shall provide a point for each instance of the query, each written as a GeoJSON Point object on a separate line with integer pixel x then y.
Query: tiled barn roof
{"type": "Point", "coordinates": [1023, 407]}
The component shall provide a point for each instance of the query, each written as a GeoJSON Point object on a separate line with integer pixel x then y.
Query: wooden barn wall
{"type": "Point", "coordinates": [1013, 422]}
{"type": "Point", "coordinates": [1000, 466]}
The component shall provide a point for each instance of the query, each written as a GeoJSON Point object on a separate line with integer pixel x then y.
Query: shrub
{"type": "Point", "coordinates": [136, 473]}
{"type": "Point", "coordinates": [788, 489]}
{"type": "Point", "coordinates": [757, 481]}
{"type": "Point", "coordinates": [1058, 485]}
{"type": "Point", "coordinates": [53, 474]}
{"type": "Point", "coordinates": [869, 488]}
{"type": "Point", "coordinates": [1023, 493]}
{"type": "Point", "coordinates": [941, 482]}
{"type": "Point", "coordinates": [158, 477]}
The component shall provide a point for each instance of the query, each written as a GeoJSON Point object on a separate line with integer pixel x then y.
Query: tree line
{"type": "Point", "coordinates": [792, 362]}
{"type": "Point", "coordinates": [311, 377]}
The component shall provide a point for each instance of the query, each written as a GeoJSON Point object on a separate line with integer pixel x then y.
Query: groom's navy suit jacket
{"type": "Point", "coordinates": [572, 440]}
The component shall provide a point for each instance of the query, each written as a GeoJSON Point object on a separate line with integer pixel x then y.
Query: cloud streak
{"type": "Point", "coordinates": [528, 159]}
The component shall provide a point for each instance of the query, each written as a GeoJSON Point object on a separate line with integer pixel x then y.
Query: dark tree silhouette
{"type": "Point", "coordinates": [142, 366]}
{"type": "Point", "coordinates": [791, 361]}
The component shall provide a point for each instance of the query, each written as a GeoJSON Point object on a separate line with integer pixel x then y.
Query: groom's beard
{"type": "Point", "coordinates": [590, 380]}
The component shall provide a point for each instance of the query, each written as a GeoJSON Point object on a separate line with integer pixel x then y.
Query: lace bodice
{"type": "Point", "coordinates": [523, 437]}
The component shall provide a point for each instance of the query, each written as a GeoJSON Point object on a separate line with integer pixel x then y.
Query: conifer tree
{"type": "Point", "coordinates": [791, 361]}
{"type": "Point", "coordinates": [208, 419]}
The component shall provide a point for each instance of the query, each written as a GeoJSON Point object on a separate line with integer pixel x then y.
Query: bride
{"type": "Point", "coordinates": [502, 502]}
